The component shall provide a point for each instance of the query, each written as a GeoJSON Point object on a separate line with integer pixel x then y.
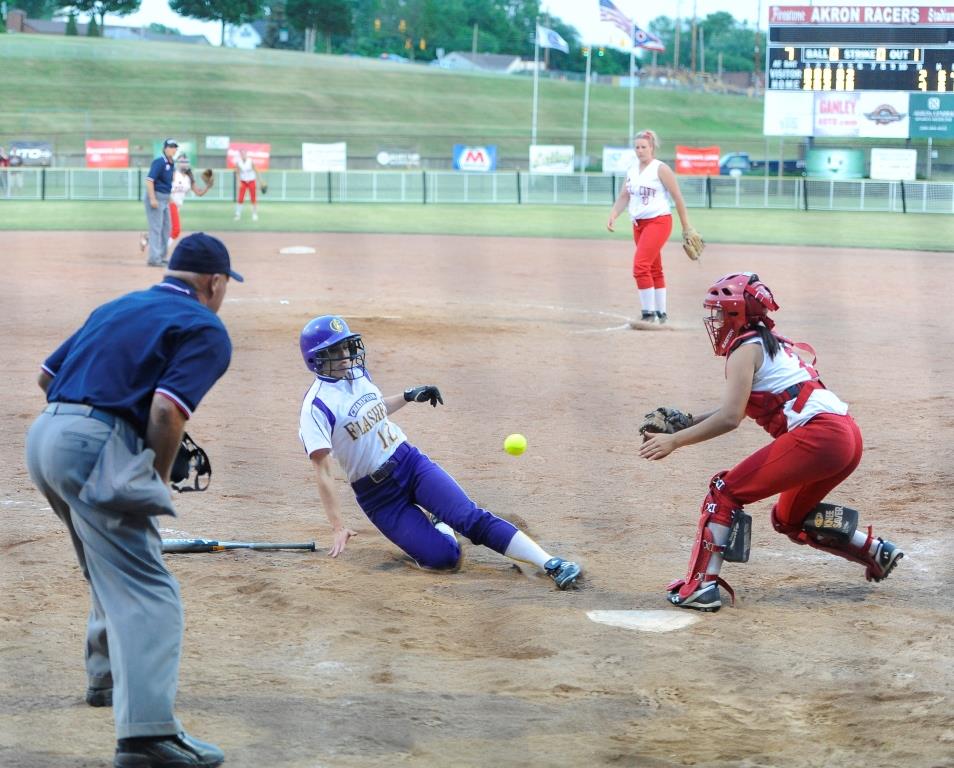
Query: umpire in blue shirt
{"type": "Point", "coordinates": [120, 390]}
{"type": "Point", "coordinates": [158, 187]}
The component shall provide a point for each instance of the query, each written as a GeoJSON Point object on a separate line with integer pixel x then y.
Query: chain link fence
{"type": "Point", "coordinates": [504, 187]}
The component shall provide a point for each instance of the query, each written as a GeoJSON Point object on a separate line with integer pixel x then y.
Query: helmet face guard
{"type": "Point", "coordinates": [736, 301]}
{"type": "Point", "coordinates": [326, 343]}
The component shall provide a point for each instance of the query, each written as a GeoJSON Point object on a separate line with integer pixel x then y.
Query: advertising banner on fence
{"type": "Point", "coordinates": [697, 161]}
{"type": "Point", "coordinates": [398, 158]}
{"type": "Point", "coordinates": [884, 114]}
{"type": "Point", "coordinates": [617, 160]}
{"type": "Point", "coordinates": [259, 153]}
{"type": "Point", "coordinates": [788, 113]}
{"type": "Point", "coordinates": [835, 163]}
{"type": "Point", "coordinates": [324, 157]}
{"type": "Point", "coordinates": [39, 153]}
{"type": "Point", "coordinates": [217, 142]}
{"type": "Point", "coordinates": [551, 158]}
{"type": "Point", "coordinates": [932, 114]}
{"type": "Point", "coordinates": [894, 164]}
{"type": "Point", "coordinates": [107, 153]}
{"type": "Point", "coordinates": [471, 158]}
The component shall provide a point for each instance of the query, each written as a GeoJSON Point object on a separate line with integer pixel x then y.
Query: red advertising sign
{"type": "Point", "coordinates": [107, 154]}
{"type": "Point", "coordinates": [697, 161]}
{"type": "Point", "coordinates": [259, 153]}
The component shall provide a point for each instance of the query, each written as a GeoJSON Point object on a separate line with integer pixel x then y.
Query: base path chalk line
{"type": "Point", "coordinates": [644, 621]}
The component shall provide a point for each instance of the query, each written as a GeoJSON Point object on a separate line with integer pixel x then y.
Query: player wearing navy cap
{"type": "Point", "coordinates": [120, 390]}
{"type": "Point", "coordinates": [407, 497]}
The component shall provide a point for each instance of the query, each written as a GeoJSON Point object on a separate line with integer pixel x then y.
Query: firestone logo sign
{"type": "Point", "coordinates": [475, 158]}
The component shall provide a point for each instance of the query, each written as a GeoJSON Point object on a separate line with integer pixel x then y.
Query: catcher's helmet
{"type": "Point", "coordinates": [327, 340]}
{"type": "Point", "coordinates": [736, 301]}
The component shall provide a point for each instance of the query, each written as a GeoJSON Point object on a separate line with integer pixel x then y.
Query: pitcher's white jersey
{"type": "Point", "coordinates": [181, 185]}
{"type": "Point", "coordinates": [349, 417]}
{"type": "Point", "coordinates": [648, 198]}
{"type": "Point", "coordinates": [246, 169]}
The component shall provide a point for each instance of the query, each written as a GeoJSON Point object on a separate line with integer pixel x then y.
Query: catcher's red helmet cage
{"type": "Point", "coordinates": [736, 301]}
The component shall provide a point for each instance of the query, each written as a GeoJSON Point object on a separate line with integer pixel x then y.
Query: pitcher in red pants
{"type": "Point", "coordinates": [816, 445]}
{"type": "Point", "coordinates": [649, 192]}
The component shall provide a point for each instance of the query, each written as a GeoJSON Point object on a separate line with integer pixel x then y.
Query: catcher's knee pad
{"type": "Point", "coordinates": [717, 508]}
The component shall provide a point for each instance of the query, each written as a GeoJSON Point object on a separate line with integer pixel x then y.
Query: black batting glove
{"type": "Point", "coordinates": [424, 394]}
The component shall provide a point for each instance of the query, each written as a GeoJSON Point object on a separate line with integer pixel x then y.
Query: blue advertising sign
{"type": "Point", "coordinates": [470, 158]}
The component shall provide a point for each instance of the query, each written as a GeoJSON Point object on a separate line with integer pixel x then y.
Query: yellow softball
{"type": "Point", "coordinates": [515, 444]}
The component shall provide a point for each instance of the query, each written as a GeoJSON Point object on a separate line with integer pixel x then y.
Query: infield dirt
{"type": "Point", "coordinates": [301, 661]}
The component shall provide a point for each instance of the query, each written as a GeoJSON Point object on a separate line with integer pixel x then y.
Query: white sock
{"type": "Point", "coordinates": [446, 530]}
{"type": "Point", "coordinates": [660, 300]}
{"type": "Point", "coordinates": [720, 535]}
{"type": "Point", "coordinates": [858, 539]}
{"type": "Point", "coordinates": [522, 547]}
{"type": "Point", "coordinates": [647, 299]}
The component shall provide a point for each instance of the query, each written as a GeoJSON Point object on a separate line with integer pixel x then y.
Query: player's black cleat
{"type": "Point", "coordinates": [99, 697]}
{"type": "Point", "coordinates": [661, 317]}
{"type": "Point", "coordinates": [648, 317]}
{"type": "Point", "coordinates": [706, 599]}
{"type": "Point", "coordinates": [885, 559]}
{"type": "Point", "coordinates": [563, 572]}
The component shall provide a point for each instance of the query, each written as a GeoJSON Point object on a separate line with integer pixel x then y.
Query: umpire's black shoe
{"type": "Point", "coordinates": [99, 697]}
{"type": "Point", "coordinates": [179, 751]}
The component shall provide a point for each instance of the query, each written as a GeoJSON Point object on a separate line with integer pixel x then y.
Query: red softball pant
{"type": "Point", "coordinates": [650, 235]}
{"type": "Point", "coordinates": [176, 229]}
{"type": "Point", "coordinates": [802, 466]}
{"type": "Point", "coordinates": [246, 185]}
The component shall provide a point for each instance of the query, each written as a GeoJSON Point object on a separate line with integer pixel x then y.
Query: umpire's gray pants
{"type": "Point", "coordinates": [134, 634]}
{"type": "Point", "coordinates": [159, 222]}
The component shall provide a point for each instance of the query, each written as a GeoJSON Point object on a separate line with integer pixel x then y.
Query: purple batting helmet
{"type": "Point", "coordinates": [327, 340]}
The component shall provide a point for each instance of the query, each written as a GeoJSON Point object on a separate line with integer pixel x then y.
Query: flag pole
{"type": "Point", "coordinates": [586, 107]}
{"type": "Point", "coordinates": [536, 81]}
{"type": "Point", "coordinates": [632, 69]}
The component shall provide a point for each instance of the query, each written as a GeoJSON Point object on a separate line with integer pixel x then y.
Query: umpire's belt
{"type": "Point", "coordinates": [382, 473]}
{"type": "Point", "coordinates": [79, 409]}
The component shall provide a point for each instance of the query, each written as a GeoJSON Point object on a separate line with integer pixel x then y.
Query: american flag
{"type": "Point", "coordinates": [612, 14]}
{"type": "Point", "coordinates": [647, 40]}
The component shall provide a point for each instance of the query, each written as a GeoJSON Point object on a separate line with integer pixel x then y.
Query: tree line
{"type": "Point", "coordinates": [423, 29]}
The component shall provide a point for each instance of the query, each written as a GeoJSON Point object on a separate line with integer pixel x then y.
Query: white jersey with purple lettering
{"type": "Point", "coordinates": [648, 198]}
{"type": "Point", "coordinates": [349, 417]}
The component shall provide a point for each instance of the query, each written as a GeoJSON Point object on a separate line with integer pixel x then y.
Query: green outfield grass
{"type": "Point", "coordinates": [72, 88]}
{"type": "Point", "coordinates": [809, 228]}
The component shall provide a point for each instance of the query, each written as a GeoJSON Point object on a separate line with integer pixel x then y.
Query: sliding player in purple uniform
{"type": "Point", "coordinates": [408, 497]}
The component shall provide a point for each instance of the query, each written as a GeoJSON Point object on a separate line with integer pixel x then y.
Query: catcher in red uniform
{"type": "Point", "coordinates": [816, 445]}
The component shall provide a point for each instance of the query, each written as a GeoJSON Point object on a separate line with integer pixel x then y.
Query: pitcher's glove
{"type": "Point", "coordinates": [693, 244]}
{"type": "Point", "coordinates": [208, 177]}
{"type": "Point", "coordinates": [666, 420]}
{"type": "Point", "coordinates": [263, 187]}
{"type": "Point", "coordinates": [427, 393]}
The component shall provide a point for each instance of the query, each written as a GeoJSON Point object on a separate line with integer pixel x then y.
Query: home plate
{"type": "Point", "coordinates": [644, 621]}
{"type": "Point", "coordinates": [292, 249]}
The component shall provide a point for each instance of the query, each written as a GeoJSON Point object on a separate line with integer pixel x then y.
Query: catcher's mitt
{"type": "Point", "coordinates": [208, 177]}
{"type": "Point", "coordinates": [666, 420]}
{"type": "Point", "coordinates": [693, 244]}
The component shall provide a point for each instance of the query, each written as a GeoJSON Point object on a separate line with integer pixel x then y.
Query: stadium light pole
{"type": "Point", "coordinates": [536, 82]}
{"type": "Point", "coordinates": [586, 108]}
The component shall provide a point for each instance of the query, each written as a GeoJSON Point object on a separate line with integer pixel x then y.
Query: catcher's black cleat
{"type": "Point", "coordinates": [99, 697]}
{"type": "Point", "coordinates": [178, 751]}
{"type": "Point", "coordinates": [885, 559]}
{"type": "Point", "coordinates": [706, 599]}
{"type": "Point", "coordinates": [563, 572]}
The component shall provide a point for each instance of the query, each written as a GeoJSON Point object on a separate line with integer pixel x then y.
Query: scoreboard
{"type": "Point", "coordinates": [860, 48]}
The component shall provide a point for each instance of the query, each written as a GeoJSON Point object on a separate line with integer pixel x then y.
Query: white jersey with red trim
{"type": "Point", "coordinates": [181, 186]}
{"type": "Point", "coordinates": [246, 169]}
{"type": "Point", "coordinates": [648, 198]}
{"type": "Point", "coordinates": [349, 417]}
{"type": "Point", "coordinates": [785, 369]}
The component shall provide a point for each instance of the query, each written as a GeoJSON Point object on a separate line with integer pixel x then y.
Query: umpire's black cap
{"type": "Point", "coordinates": [170, 143]}
{"type": "Point", "coordinates": [203, 254]}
